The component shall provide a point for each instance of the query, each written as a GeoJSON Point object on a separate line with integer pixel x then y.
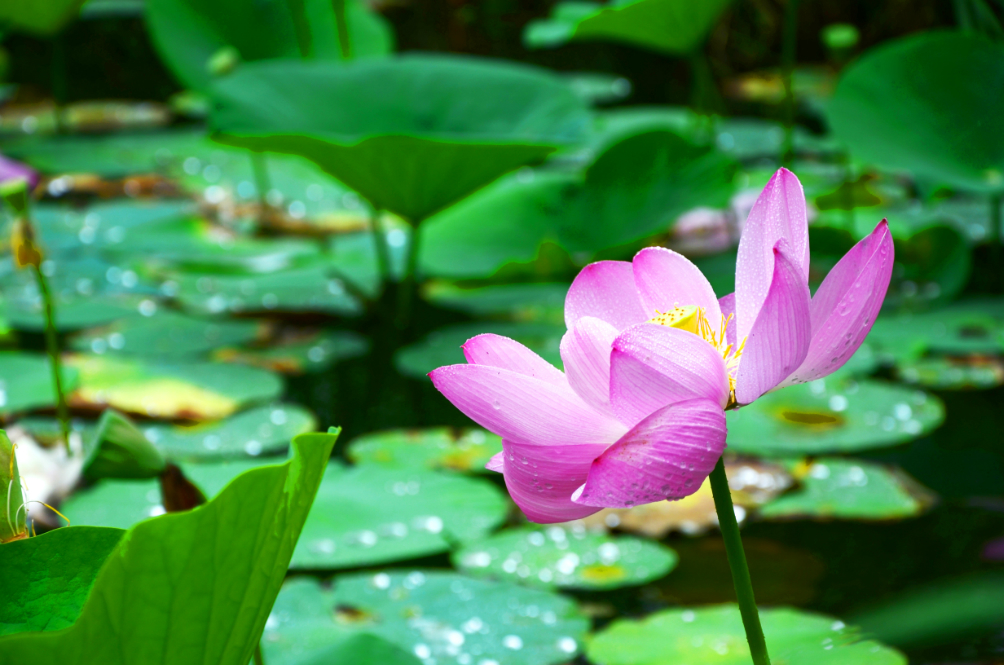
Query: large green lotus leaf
{"type": "Point", "coordinates": [194, 586]}
{"type": "Point", "coordinates": [849, 489]}
{"type": "Point", "coordinates": [372, 514]}
{"type": "Point", "coordinates": [40, 17]}
{"type": "Point", "coordinates": [566, 557]}
{"type": "Point", "coordinates": [47, 578]}
{"type": "Point", "coordinates": [182, 390]}
{"type": "Point", "coordinates": [503, 223]}
{"type": "Point", "coordinates": [927, 104]}
{"type": "Point", "coordinates": [437, 448]}
{"type": "Point", "coordinates": [188, 33]}
{"type": "Point", "coordinates": [635, 188]}
{"type": "Point", "coordinates": [520, 302]}
{"type": "Point", "coordinates": [262, 430]}
{"type": "Point", "coordinates": [714, 635]}
{"type": "Point", "coordinates": [442, 347]}
{"type": "Point", "coordinates": [944, 612]}
{"type": "Point", "coordinates": [667, 26]}
{"type": "Point", "coordinates": [639, 186]}
{"type": "Point", "coordinates": [423, 132]}
{"type": "Point", "coordinates": [832, 415]}
{"type": "Point", "coordinates": [310, 288]}
{"type": "Point", "coordinates": [26, 381]}
{"type": "Point", "coordinates": [299, 353]}
{"type": "Point", "coordinates": [436, 615]}
{"type": "Point", "coordinates": [165, 335]}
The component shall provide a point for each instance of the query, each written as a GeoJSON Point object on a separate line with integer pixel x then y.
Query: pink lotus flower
{"type": "Point", "coordinates": [10, 169]}
{"type": "Point", "coordinates": [653, 359]}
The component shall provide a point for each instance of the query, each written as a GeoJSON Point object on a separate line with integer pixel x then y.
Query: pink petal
{"type": "Point", "coordinates": [523, 408]}
{"type": "Point", "coordinates": [606, 290]}
{"type": "Point", "coordinates": [666, 456]}
{"type": "Point", "coordinates": [496, 463]}
{"type": "Point", "coordinates": [498, 351]}
{"type": "Point", "coordinates": [666, 279]}
{"type": "Point", "coordinates": [585, 351]}
{"type": "Point", "coordinates": [846, 304]}
{"type": "Point", "coordinates": [541, 479]}
{"type": "Point", "coordinates": [779, 339]}
{"type": "Point", "coordinates": [652, 366]}
{"type": "Point", "coordinates": [728, 307]}
{"type": "Point", "coordinates": [778, 213]}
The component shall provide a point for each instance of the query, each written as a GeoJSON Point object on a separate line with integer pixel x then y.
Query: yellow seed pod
{"type": "Point", "coordinates": [687, 317]}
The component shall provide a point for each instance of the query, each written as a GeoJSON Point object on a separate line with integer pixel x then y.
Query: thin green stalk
{"type": "Point", "coordinates": [380, 243]}
{"type": "Point", "coordinates": [301, 26]}
{"type": "Point", "coordinates": [788, 67]}
{"type": "Point", "coordinates": [995, 241]}
{"type": "Point", "coordinates": [737, 563]}
{"type": "Point", "coordinates": [258, 659]}
{"type": "Point", "coordinates": [342, 25]}
{"type": "Point", "coordinates": [59, 79]}
{"type": "Point", "coordinates": [52, 348]}
{"type": "Point", "coordinates": [409, 285]}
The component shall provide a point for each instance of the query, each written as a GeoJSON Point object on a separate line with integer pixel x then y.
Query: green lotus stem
{"type": "Point", "coordinates": [52, 348]}
{"type": "Point", "coordinates": [995, 240]}
{"type": "Point", "coordinates": [258, 659]}
{"type": "Point", "coordinates": [380, 245]}
{"type": "Point", "coordinates": [788, 67]}
{"type": "Point", "coordinates": [301, 26]}
{"type": "Point", "coordinates": [409, 284]}
{"type": "Point", "coordinates": [58, 80]}
{"type": "Point", "coordinates": [737, 563]}
{"type": "Point", "coordinates": [342, 25]}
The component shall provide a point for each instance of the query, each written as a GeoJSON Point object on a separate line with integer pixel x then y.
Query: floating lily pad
{"type": "Point", "coordinates": [520, 302]}
{"type": "Point", "coordinates": [566, 557]}
{"type": "Point", "coordinates": [114, 503]}
{"type": "Point", "coordinates": [715, 635]}
{"type": "Point", "coordinates": [667, 26]}
{"type": "Point", "coordinates": [969, 372]}
{"type": "Point", "coordinates": [262, 430]}
{"type": "Point", "coordinates": [752, 484]}
{"type": "Point", "coordinates": [850, 489]}
{"type": "Point", "coordinates": [370, 514]}
{"type": "Point", "coordinates": [299, 353]}
{"type": "Point", "coordinates": [165, 336]}
{"type": "Point", "coordinates": [946, 611]}
{"type": "Point", "coordinates": [972, 327]}
{"type": "Point", "coordinates": [439, 448]}
{"type": "Point", "coordinates": [123, 503]}
{"type": "Point", "coordinates": [72, 315]}
{"type": "Point", "coordinates": [189, 390]}
{"type": "Point", "coordinates": [442, 347]}
{"type": "Point", "coordinates": [425, 131]}
{"type": "Point", "coordinates": [432, 614]}
{"type": "Point", "coordinates": [830, 415]}
{"type": "Point", "coordinates": [26, 381]}
{"type": "Point", "coordinates": [313, 288]}
{"type": "Point", "coordinates": [942, 125]}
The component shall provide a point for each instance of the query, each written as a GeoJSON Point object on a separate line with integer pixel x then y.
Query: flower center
{"type": "Point", "coordinates": [694, 319]}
